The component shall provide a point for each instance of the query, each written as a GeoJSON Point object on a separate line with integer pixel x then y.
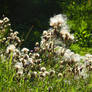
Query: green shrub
{"type": "Point", "coordinates": [78, 13]}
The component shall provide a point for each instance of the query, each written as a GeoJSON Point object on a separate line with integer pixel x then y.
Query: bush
{"type": "Point", "coordinates": [79, 20]}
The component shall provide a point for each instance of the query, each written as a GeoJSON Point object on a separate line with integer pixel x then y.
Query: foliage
{"type": "Point", "coordinates": [77, 12]}
{"type": "Point", "coordinates": [81, 50]}
{"type": "Point", "coordinates": [82, 34]}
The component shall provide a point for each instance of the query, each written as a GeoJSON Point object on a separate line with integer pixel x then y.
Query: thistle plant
{"type": "Point", "coordinates": [49, 58]}
{"type": "Point", "coordinates": [57, 40]}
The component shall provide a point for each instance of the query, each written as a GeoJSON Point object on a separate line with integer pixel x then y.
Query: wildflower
{"type": "Point", "coordinates": [11, 34]}
{"type": "Point", "coordinates": [43, 49]}
{"type": "Point", "coordinates": [31, 51]}
{"type": "Point", "coordinates": [44, 33]}
{"type": "Point", "coordinates": [33, 57]}
{"type": "Point", "coordinates": [6, 19]}
{"type": "Point", "coordinates": [71, 37]}
{"type": "Point", "coordinates": [65, 35]}
{"type": "Point", "coordinates": [83, 72]}
{"type": "Point", "coordinates": [61, 62]}
{"type": "Point", "coordinates": [3, 30]}
{"type": "Point", "coordinates": [75, 58]}
{"type": "Point", "coordinates": [24, 61]}
{"type": "Point", "coordinates": [60, 75]}
{"type": "Point", "coordinates": [57, 20]}
{"type": "Point", "coordinates": [36, 55]}
{"type": "Point", "coordinates": [15, 56]}
{"type": "Point", "coordinates": [17, 38]}
{"type": "Point", "coordinates": [17, 52]}
{"type": "Point", "coordinates": [67, 57]}
{"type": "Point", "coordinates": [15, 33]}
{"type": "Point", "coordinates": [51, 44]}
{"type": "Point", "coordinates": [88, 56]}
{"type": "Point", "coordinates": [36, 44]}
{"type": "Point", "coordinates": [21, 59]}
{"type": "Point", "coordinates": [26, 56]}
{"type": "Point", "coordinates": [58, 50]}
{"type": "Point", "coordinates": [65, 27]}
{"type": "Point", "coordinates": [10, 48]}
{"type": "Point", "coordinates": [71, 53]}
{"type": "Point", "coordinates": [62, 51]}
{"type": "Point", "coordinates": [42, 74]}
{"type": "Point", "coordinates": [25, 50]}
{"type": "Point", "coordinates": [52, 72]}
{"type": "Point", "coordinates": [8, 38]}
{"type": "Point", "coordinates": [90, 68]}
{"type": "Point", "coordinates": [46, 37]}
{"type": "Point", "coordinates": [90, 60]}
{"type": "Point", "coordinates": [43, 69]}
{"type": "Point", "coordinates": [1, 21]}
{"type": "Point", "coordinates": [30, 61]}
{"type": "Point", "coordinates": [8, 24]}
{"type": "Point", "coordinates": [30, 54]}
{"type": "Point", "coordinates": [4, 39]}
{"type": "Point", "coordinates": [18, 66]}
{"type": "Point", "coordinates": [53, 22]}
{"type": "Point", "coordinates": [33, 74]}
{"type": "Point", "coordinates": [38, 61]}
{"type": "Point", "coordinates": [46, 73]}
{"type": "Point", "coordinates": [20, 72]}
{"type": "Point", "coordinates": [36, 49]}
{"type": "Point", "coordinates": [68, 51]}
{"type": "Point", "coordinates": [11, 30]}
{"type": "Point", "coordinates": [43, 42]}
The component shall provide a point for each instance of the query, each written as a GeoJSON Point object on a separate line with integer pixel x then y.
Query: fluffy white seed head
{"type": "Point", "coordinates": [20, 72]}
{"type": "Point", "coordinates": [52, 72]}
{"type": "Point", "coordinates": [42, 74]}
{"type": "Point", "coordinates": [46, 73]}
{"type": "Point", "coordinates": [6, 19]}
{"type": "Point", "coordinates": [88, 55]}
{"type": "Point", "coordinates": [58, 50]}
{"type": "Point", "coordinates": [30, 61]}
{"type": "Point", "coordinates": [43, 69]}
{"type": "Point", "coordinates": [1, 21]}
{"type": "Point", "coordinates": [75, 58]}
{"type": "Point", "coordinates": [16, 33]}
{"type": "Point", "coordinates": [18, 65]}
{"type": "Point", "coordinates": [25, 50]}
{"type": "Point", "coordinates": [10, 48]}
{"type": "Point", "coordinates": [44, 33]}
{"type": "Point", "coordinates": [60, 75]}
{"type": "Point", "coordinates": [57, 20]}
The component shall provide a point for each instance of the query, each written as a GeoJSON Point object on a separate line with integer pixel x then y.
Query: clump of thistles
{"type": "Point", "coordinates": [52, 49]}
{"type": "Point", "coordinates": [55, 42]}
